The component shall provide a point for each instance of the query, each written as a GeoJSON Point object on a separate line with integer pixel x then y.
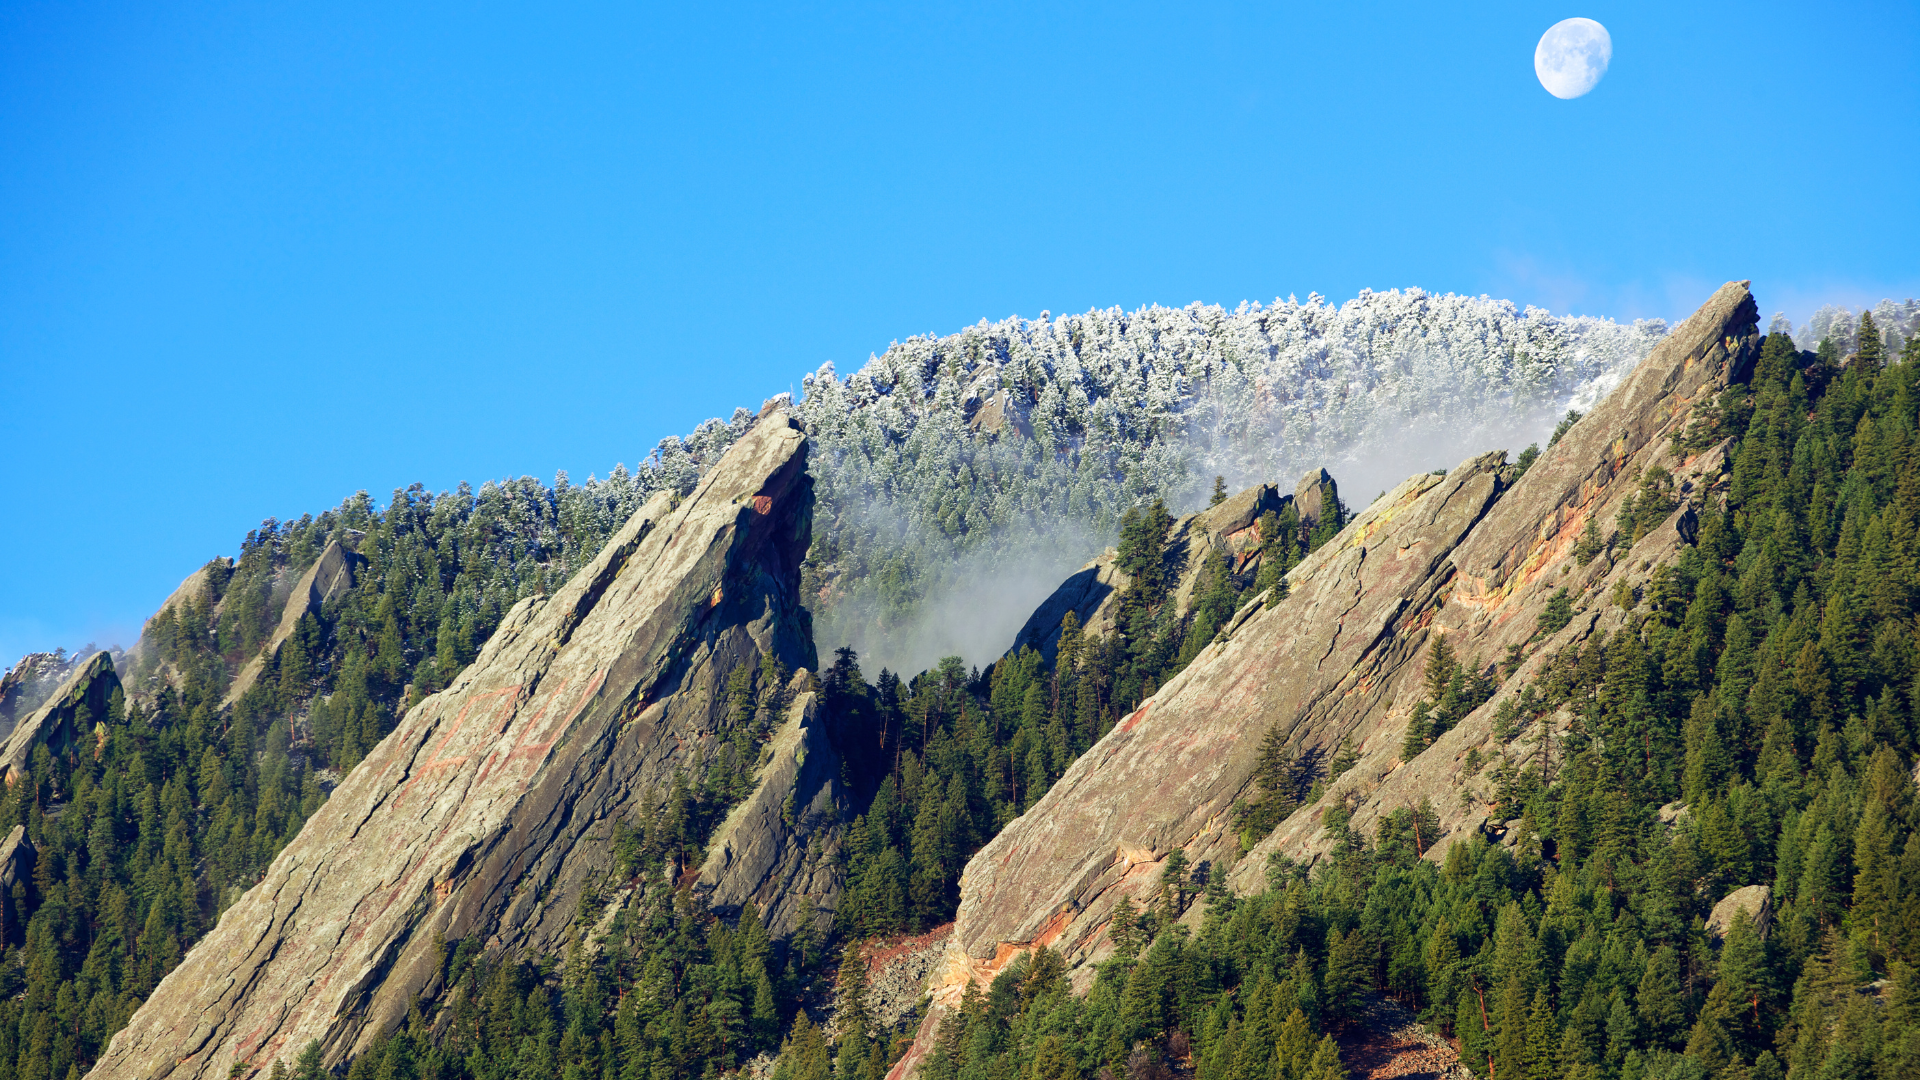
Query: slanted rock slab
{"type": "Point", "coordinates": [490, 809]}
{"type": "Point", "coordinates": [71, 711]}
{"type": "Point", "coordinates": [1475, 555]}
{"type": "Point", "coordinates": [330, 575]}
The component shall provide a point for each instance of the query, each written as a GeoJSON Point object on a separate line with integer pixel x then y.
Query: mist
{"type": "Point", "coordinates": [1372, 466]}
{"type": "Point", "coordinates": [974, 611]}
{"type": "Point", "coordinates": [975, 605]}
{"type": "Point", "coordinates": [960, 478]}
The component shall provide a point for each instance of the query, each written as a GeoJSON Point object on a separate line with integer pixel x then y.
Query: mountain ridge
{"type": "Point", "coordinates": [477, 814]}
{"type": "Point", "coordinates": [1260, 704]}
{"type": "Point", "coordinates": [1164, 780]}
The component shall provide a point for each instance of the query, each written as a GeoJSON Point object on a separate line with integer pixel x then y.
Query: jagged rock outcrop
{"type": "Point", "coordinates": [1167, 775]}
{"type": "Point", "coordinates": [1093, 592]}
{"type": "Point", "coordinates": [17, 856]}
{"type": "Point", "coordinates": [140, 664]}
{"type": "Point", "coordinates": [489, 810]}
{"type": "Point", "coordinates": [1341, 656]}
{"type": "Point", "coordinates": [197, 586]}
{"type": "Point", "coordinates": [760, 855]}
{"type": "Point", "coordinates": [29, 683]}
{"type": "Point", "coordinates": [998, 412]}
{"type": "Point", "coordinates": [330, 575]}
{"type": "Point", "coordinates": [1310, 496]}
{"type": "Point", "coordinates": [79, 703]}
{"type": "Point", "coordinates": [1515, 560]}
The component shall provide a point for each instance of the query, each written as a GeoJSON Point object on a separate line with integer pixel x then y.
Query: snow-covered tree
{"type": "Point", "coordinates": [943, 456]}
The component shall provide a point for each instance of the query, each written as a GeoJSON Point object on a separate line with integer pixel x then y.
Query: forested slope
{"type": "Point", "coordinates": [944, 446]}
{"type": "Point", "coordinates": [1752, 724]}
{"type": "Point", "coordinates": [923, 494]}
{"type": "Point", "coordinates": [185, 804]}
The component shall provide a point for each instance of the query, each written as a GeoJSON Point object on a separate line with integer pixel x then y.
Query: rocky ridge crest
{"type": "Point", "coordinates": [1092, 594]}
{"type": "Point", "coordinates": [69, 713]}
{"type": "Point", "coordinates": [330, 576]}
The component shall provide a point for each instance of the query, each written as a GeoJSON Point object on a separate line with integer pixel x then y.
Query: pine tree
{"type": "Point", "coordinates": [1590, 543]}
{"type": "Point", "coordinates": [1660, 1011]}
{"type": "Point", "coordinates": [1345, 758]}
{"type": "Point", "coordinates": [1274, 771]}
{"type": "Point", "coordinates": [1348, 961]}
{"type": "Point", "coordinates": [1543, 1038]}
{"type": "Point", "coordinates": [1557, 613]}
{"type": "Point", "coordinates": [1326, 1063]}
{"type": "Point", "coordinates": [1708, 761]}
{"type": "Point", "coordinates": [1122, 931]}
{"type": "Point", "coordinates": [1419, 733]}
{"type": "Point", "coordinates": [1868, 350]}
{"type": "Point", "coordinates": [804, 1055]}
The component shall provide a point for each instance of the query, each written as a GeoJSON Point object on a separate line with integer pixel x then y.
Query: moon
{"type": "Point", "coordinates": [1572, 56]}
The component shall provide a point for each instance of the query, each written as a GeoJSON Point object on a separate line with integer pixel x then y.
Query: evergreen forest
{"type": "Point", "coordinates": [142, 845]}
{"type": "Point", "coordinates": [1755, 722]}
{"type": "Point", "coordinates": [1762, 695]}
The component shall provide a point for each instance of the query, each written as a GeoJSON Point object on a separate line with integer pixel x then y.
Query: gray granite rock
{"type": "Point", "coordinates": [29, 683]}
{"type": "Point", "coordinates": [1308, 496]}
{"type": "Point", "coordinates": [1166, 776]}
{"type": "Point", "coordinates": [1093, 592]}
{"type": "Point", "coordinates": [1502, 575]}
{"type": "Point", "coordinates": [141, 666]}
{"type": "Point", "coordinates": [1755, 900]}
{"type": "Point", "coordinates": [17, 856]}
{"type": "Point", "coordinates": [779, 849]}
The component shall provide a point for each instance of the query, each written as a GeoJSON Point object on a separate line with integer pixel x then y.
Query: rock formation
{"type": "Point", "coordinates": [1755, 900]}
{"type": "Point", "coordinates": [1093, 592]}
{"type": "Point", "coordinates": [29, 683]}
{"type": "Point", "coordinates": [759, 853]}
{"type": "Point", "coordinates": [1309, 496]}
{"type": "Point", "coordinates": [71, 711]}
{"type": "Point", "coordinates": [1000, 412]}
{"type": "Point", "coordinates": [1474, 555]}
{"type": "Point", "coordinates": [1504, 573]}
{"type": "Point", "coordinates": [488, 811]}
{"type": "Point", "coordinates": [329, 576]}
{"type": "Point", "coordinates": [17, 857]}
{"type": "Point", "coordinates": [1166, 776]}
{"type": "Point", "coordinates": [139, 663]}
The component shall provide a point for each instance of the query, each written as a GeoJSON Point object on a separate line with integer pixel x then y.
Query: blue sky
{"type": "Point", "coordinates": [256, 257]}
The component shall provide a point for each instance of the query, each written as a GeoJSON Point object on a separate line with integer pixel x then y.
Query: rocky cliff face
{"type": "Point", "coordinates": [17, 857]}
{"type": "Point", "coordinates": [142, 668]}
{"type": "Point", "coordinates": [489, 809]}
{"type": "Point", "coordinates": [1092, 594]}
{"type": "Point", "coordinates": [1474, 555]}
{"type": "Point", "coordinates": [760, 855]}
{"type": "Point", "coordinates": [1505, 571]}
{"type": "Point", "coordinates": [67, 715]}
{"type": "Point", "coordinates": [329, 576]}
{"type": "Point", "coordinates": [1310, 495]}
{"type": "Point", "coordinates": [1167, 775]}
{"type": "Point", "coordinates": [28, 684]}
